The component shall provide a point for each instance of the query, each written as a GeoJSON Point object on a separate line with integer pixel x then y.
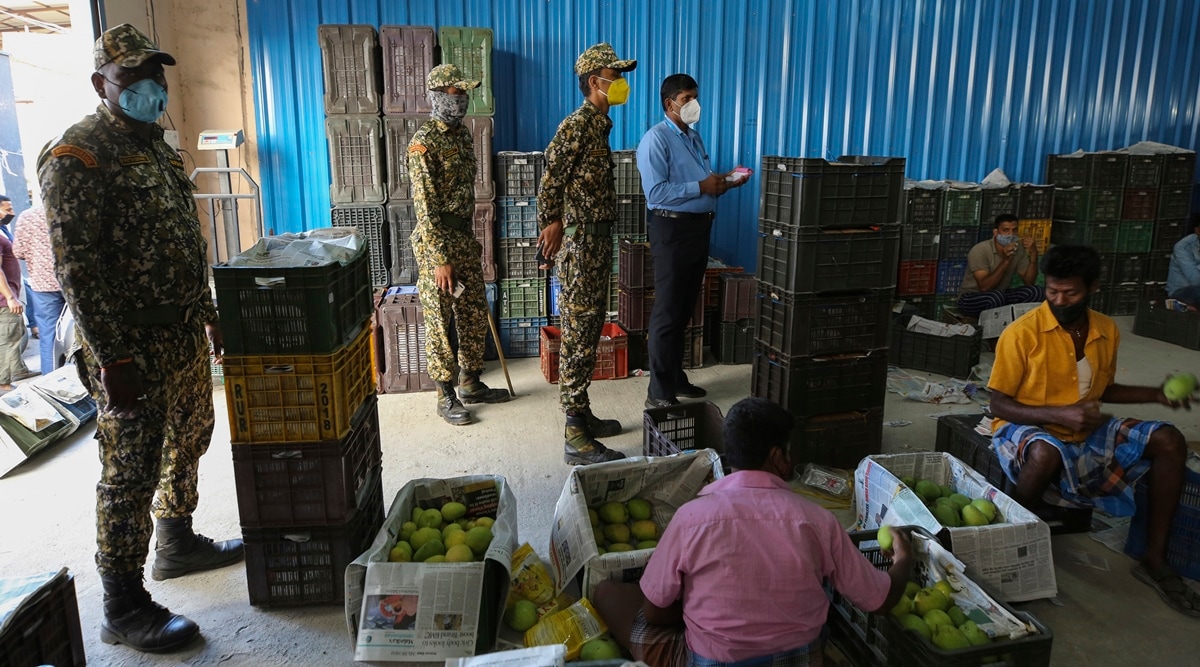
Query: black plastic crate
{"type": "Point", "coordinates": [803, 261]}
{"type": "Point", "coordinates": [1129, 268]}
{"type": "Point", "coordinates": [735, 342]}
{"type": "Point", "coordinates": [996, 202]}
{"type": "Point", "coordinates": [517, 258]}
{"type": "Point", "coordinates": [46, 631]}
{"type": "Point", "coordinates": [815, 193]}
{"type": "Point", "coordinates": [371, 222]}
{"type": "Point", "coordinates": [1100, 235]}
{"type": "Point", "coordinates": [802, 325]}
{"type": "Point", "coordinates": [517, 217]}
{"type": "Point", "coordinates": [634, 307]}
{"type": "Point", "coordinates": [1035, 202]}
{"type": "Point", "coordinates": [639, 355]}
{"type": "Point", "coordinates": [1140, 204]}
{"type": "Point", "coordinates": [961, 207]}
{"type": "Point", "coordinates": [635, 265]}
{"type": "Point", "coordinates": [356, 157]}
{"type": "Point", "coordinates": [1121, 299]}
{"type": "Point", "coordinates": [1160, 266]}
{"type": "Point", "coordinates": [1145, 171]}
{"type": "Point", "coordinates": [681, 428]}
{"type": "Point", "coordinates": [521, 336]}
{"type": "Point", "coordinates": [693, 346]}
{"type": "Point", "coordinates": [1169, 232]}
{"type": "Point", "coordinates": [1154, 320]}
{"type": "Point", "coordinates": [296, 310]}
{"type": "Point", "coordinates": [917, 244]}
{"type": "Point", "coordinates": [922, 305]}
{"type": "Point", "coordinates": [923, 208]}
{"type": "Point", "coordinates": [298, 566]}
{"type": "Point", "coordinates": [1174, 203]}
{"type": "Point", "coordinates": [1091, 204]}
{"type": "Point", "coordinates": [627, 178]}
{"type": "Point", "coordinates": [956, 242]}
{"type": "Point", "coordinates": [631, 216]}
{"type": "Point", "coordinates": [809, 386]}
{"type": "Point", "coordinates": [308, 483]}
{"type": "Point", "coordinates": [953, 356]}
{"type": "Point", "coordinates": [1179, 169]}
{"type": "Point", "coordinates": [737, 299]}
{"type": "Point", "coordinates": [839, 440]}
{"type": "Point", "coordinates": [956, 435]}
{"type": "Point", "coordinates": [402, 220]}
{"type": "Point", "coordinates": [950, 275]}
{"type": "Point", "coordinates": [519, 174]}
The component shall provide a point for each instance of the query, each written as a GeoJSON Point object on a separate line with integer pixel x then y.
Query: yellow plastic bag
{"type": "Point", "coordinates": [530, 579]}
{"type": "Point", "coordinates": [572, 627]}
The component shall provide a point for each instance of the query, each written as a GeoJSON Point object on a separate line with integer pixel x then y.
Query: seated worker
{"type": "Point", "coordinates": [990, 268]}
{"type": "Point", "coordinates": [1054, 366]}
{"type": "Point", "coordinates": [1183, 280]}
{"type": "Point", "coordinates": [737, 574]}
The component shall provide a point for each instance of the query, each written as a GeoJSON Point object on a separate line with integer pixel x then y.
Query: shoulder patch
{"type": "Point", "coordinates": [136, 158]}
{"type": "Point", "coordinates": [599, 152]}
{"type": "Point", "coordinates": [81, 154]}
{"type": "Point", "coordinates": [175, 163]}
{"type": "Point", "coordinates": [416, 148]}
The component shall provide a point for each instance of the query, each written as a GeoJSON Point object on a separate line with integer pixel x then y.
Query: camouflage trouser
{"type": "Point", "coordinates": [12, 330]}
{"type": "Point", "coordinates": [584, 267]}
{"type": "Point", "coordinates": [469, 311]}
{"type": "Point", "coordinates": [160, 449]}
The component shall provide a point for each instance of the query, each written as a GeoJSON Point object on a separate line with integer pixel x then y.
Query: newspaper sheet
{"type": "Point", "coordinates": [538, 656]}
{"type": "Point", "coordinates": [993, 321]}
{"type": "Point", "coordinates": [667, 482]}
{"type": "Point", "coordinates": [1013, 557]}
{"type": "Point", "coordinates": [918, 324]}
{"type": "Point", "coordinates": [432, 611]}
{"type": "Point", "coordinates": [28, 407]}
{"type": "Point", "coordinates": [314, 248]}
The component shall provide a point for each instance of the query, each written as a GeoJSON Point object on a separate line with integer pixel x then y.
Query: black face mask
{"type": "Point", "coordinates": [6, 219]}
{"type": "Point", "coordinates": [1068, 314]}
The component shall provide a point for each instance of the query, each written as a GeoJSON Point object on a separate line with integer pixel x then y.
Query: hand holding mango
{"type": "Point", "coordinates": [1179, 387]}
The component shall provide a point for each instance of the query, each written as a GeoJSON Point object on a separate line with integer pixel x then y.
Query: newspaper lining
{"type": "Point", "coordinates": [1013, 557]}
{"type": "Point", "coordinates": [429, 611]}
{"type": "Point", "coordinates": [538, 656]}
{"type": "Point", "coordinates": [314, 248]}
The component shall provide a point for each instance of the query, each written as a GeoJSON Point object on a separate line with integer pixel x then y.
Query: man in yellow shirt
{"type": "Point", "coordinates": [1054, 367]}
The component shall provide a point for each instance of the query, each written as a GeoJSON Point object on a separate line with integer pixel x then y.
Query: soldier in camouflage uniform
{"type": "Point", "coordinates": [441, 168]}
{"type": "Point", "coordinates": [578, 199]}
{"type": "Point", "coordinates": [133, 267]}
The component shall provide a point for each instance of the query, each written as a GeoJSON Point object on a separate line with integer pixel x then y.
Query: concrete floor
{"type": "Point", "coordinates": [1099, 617]}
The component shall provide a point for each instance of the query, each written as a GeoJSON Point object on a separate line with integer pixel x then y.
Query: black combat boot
{"type": "Point", "coordinates": [602, 428]}
{"type": "Point", "coordinates": [133, 619]}
{"type": "Point", "coordinates": [449, 407]}
{"type": "Point", "coordinates": [471, 390]}
{"type": "Point", "coordinates": [180, 550]}
{"type": "Point", "coordinates": [580, 447]}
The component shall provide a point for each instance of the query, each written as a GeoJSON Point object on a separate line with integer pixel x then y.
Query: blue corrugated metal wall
{"type": "Point", "coordinates": [959, 87]}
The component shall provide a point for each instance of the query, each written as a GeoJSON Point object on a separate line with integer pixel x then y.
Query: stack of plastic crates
{"type": "Point", "coordinates": [829, 241]}
{"type": "Point", "coordinates": [734, 318]}
{"type": "Point", "coordinates": [300, 391]}
{"type": "Point", "coordinates": [635, 302]}
{"type": "Point", "coordinates": [524, 288]}
{"type": "Point", "coordinates": [1133, 209]}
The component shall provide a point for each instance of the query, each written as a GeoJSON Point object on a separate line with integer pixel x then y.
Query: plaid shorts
{"type": "Point", "coordinates": [1099, 472]}
{"type": "Point", "coordinates": [659, 646]}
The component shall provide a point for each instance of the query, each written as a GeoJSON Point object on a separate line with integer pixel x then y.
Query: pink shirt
{"type": "Point", "coordinates": [748, 556]}
{"type": "Point", "coordinates": [32, 244]}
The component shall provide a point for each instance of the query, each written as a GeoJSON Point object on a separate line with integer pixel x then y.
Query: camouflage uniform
{"type": "Point", "coordinates": [441, 166]}
{"type": "Point", "coordinates": [578, 188]}
{"type": "Point", "coordinates": [133, 267]}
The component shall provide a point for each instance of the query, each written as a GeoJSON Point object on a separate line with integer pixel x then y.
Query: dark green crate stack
{"type": "Point", "coordinates": [303, 422]}
{"type": "Point", "coordinates": [631, 227]}
{"type": "Point", "coordinates": [1132, 209]}
{"type": "Point", "coordinates": [829, 248]}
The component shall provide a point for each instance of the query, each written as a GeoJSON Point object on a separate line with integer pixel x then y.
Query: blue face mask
{"type": "Point", "coordinates": [144, 101]}
{"type": "Point", "coordinates": [1005, 239]}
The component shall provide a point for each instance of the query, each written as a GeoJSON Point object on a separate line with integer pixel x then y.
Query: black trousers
{"type": "Point", "coordinates": [680, 251]}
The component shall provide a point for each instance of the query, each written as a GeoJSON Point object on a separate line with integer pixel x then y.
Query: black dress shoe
{"type": "Point", "coordinates": [690, 390]}
{"type": "Point", "coordinates": [652, 403]}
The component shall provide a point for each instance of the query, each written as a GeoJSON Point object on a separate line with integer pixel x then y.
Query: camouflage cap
{"type": "Point", "coordinates": [447, 75]}
{"type": "Point", "coordinates": [127, 47]}
{"type": "Point", "coordinates": [600, 56]}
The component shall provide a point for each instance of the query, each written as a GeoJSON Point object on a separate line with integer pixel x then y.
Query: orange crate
{"type": "Point", "coordinates": [612, 353]}
{"type": "Point", "coordinates": [917, 278]}
{"type": "Point", "coordinates": [297, 397]}
{"type": "Point", "coordinates": [1039, 230]}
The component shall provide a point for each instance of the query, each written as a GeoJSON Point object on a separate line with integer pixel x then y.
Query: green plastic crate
{"type": "Point", "coordinates": [1135, 236]}
{"type": "Point", "coordinates": [523, 297]}
{"type": "Point", "coordinates": [961, 208]}
{"type": "Point", "coordinates": [1100, 235]}
{"type": "Point", "coordinates": [471, 50]}
{"type": "Point", "coordinates": [1094, 204]}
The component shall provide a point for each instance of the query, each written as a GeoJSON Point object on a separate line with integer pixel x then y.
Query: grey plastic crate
{"type": "Point", "coordinates": [625, 173]}
{"type": "Point", "coordinates": [355, 159]}
{"type": "Point", "coordinates": [371, 223]}
{"type": "Point", "coordinates": [519, 174]}
{"type": "Point", "coordinates": [350, 68]}
{"type": "Point", "coordinates": [407, 58]}
{"type": "Point", "coordinates": [398, 131]}
{"type": "Point", "coordinates": [402, 220]}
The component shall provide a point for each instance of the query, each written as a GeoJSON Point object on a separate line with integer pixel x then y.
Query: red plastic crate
{"type": "Point", "coordinates": [612, 353]}
{"type": "Point", "coordinates": [1140, 204]}
{"type": "Point", "coordinates": [917, 278]}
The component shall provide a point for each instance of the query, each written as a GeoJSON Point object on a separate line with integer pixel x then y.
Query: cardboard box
{"type": "Point", "coordinates": [666, 481]}
{"type": "Point", "coordinates": [458, 606]}
{"type": "Point", "coordinates": [995, 320]}
{"type": "Point", "coordinates": [1012, 557]}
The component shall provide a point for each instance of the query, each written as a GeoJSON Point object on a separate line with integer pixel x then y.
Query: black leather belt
{"type": "Point", "coordinates": [452, 221]}
{"type": "Point", "coordinates": [683, 215]}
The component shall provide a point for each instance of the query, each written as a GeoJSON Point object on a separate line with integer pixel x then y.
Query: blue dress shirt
{"type": "Point", "coordinates": [672, 164]}
{"type": "Point", "coordinates": [1185, 260]}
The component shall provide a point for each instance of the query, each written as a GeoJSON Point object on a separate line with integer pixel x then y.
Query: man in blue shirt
{"type": "Point", "coordinates": [681, 193]}
{"type": "Point", "coordinates": [1183, 281]}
